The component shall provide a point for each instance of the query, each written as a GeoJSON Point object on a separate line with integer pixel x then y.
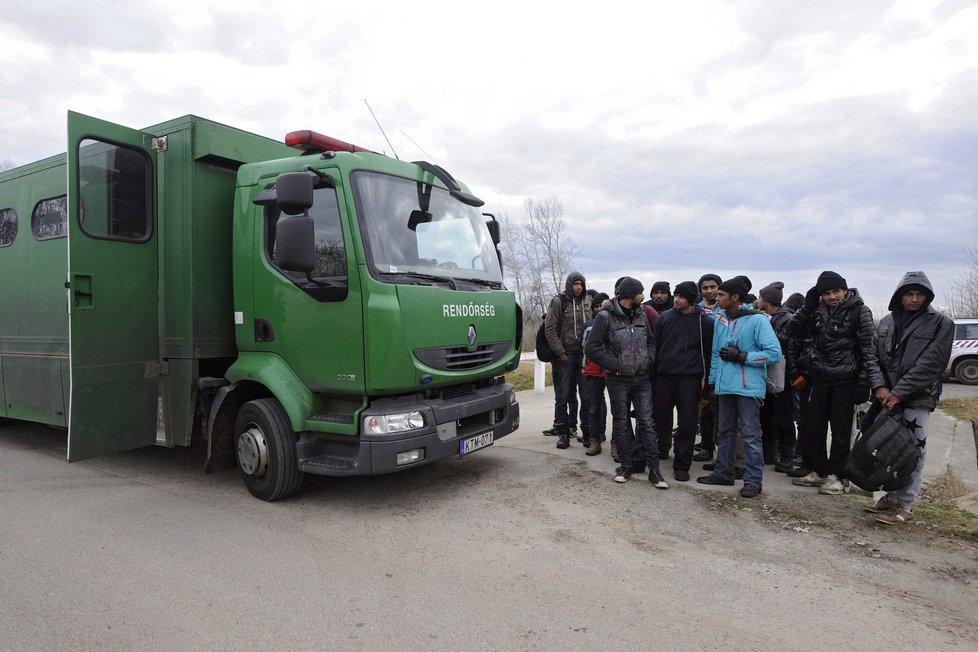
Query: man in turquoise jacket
{"type": "Point", "coordinates": [744, 344]}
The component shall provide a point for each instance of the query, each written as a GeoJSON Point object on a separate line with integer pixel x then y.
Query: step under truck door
{"type": "Point", "coordinates": [112, 290]}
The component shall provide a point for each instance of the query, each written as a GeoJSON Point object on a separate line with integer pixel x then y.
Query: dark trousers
{"type": "Point", "coordinates": [683, 394]}
{"type": "Point", "coordinates": [568, 384]}
{"type": "Point", "coordinates": [803, 447]}
{"type": "Point", "coordinates": [597, 407]}
{"type": "Point", "coordinates": [625, 392]}
{"type": "Point", "coordinates": [778, 426]}
{"type": "Point", "coordinates": [831, 406]}
{"type": "Point", "coordinates": [708, 425]}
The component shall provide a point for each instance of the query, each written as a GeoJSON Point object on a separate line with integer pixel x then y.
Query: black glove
{"type": "Point", "coordinates": [811, 299]}
{"type": "Point", "coordinates": [732, 354]}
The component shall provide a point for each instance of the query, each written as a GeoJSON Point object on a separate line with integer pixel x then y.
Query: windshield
{"type": "Point", "coordinates": [450, 241]}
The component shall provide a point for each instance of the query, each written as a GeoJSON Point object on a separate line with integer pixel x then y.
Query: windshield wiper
{"type": "Point", "coordinates": [481, 281]}
{"type": "Point", "coordinates": [426, 277]}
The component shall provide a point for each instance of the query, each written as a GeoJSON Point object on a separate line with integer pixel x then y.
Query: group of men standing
{"type": "Point", "coordinates": [744, 369]}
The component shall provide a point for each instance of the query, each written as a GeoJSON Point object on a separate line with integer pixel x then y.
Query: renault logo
{"type": "Point", "coordinates": [472, 337]}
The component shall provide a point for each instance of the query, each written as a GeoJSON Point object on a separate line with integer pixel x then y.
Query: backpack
{"type": "Point", "coordinates": [775, 377]}
{"type": "Point", "coordinates": [885, 453]}
{"type": "Point", "coordinates": [544, 352]}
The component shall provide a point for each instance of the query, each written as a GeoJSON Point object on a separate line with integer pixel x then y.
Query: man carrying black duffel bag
{"type": "Point", "coordinates": [914, 346]}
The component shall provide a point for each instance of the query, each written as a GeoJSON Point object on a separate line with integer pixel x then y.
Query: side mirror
{"type": "Point", "coordinates": [418, 217]}
{"type": "Point", "coordinates": [295, 246]}
{"type": "Point", "coordinates": [493, 227]}
{"type": "Point", "coordinates": [293, 192]}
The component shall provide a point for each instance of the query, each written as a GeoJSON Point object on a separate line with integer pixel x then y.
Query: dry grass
{"type": "Point", "coordinates": [961, 408]}
{"type": "Point", "coordinates": [522, 376]}
{"type": "Point", "coordinates": [937, 510]}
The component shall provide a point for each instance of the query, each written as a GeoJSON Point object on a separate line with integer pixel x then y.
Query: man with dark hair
{"type": "Point", "coordinates": [708, 286]}
{"type": "Point", "coordinates": [914, 347]}
{"type": "Point", "coordinates": [777, 423]}
{"type": "Point", "coordinates": [844, 367]}
{"type": "Point", "coordinates": [743, 346]}
{"type": "Point", "coordinates": [623, 344]}
{"type": "Point", "coordinates": [565, 317]}
{"type": "Point", "coordinates": [661, 297]}
{"type": "Point", "coordinates": [684, 340]}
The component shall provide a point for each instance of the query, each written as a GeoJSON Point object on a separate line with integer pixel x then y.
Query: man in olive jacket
{"type": "Point", "coordinates": [914, 347]}
{"type": "Point", "coordinates": [566, 314]}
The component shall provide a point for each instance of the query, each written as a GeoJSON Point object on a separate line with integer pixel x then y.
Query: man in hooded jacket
{"type": "Point", "coordinates": [565, 316]}
{"type": "Point", "coordinates": [914, 347]}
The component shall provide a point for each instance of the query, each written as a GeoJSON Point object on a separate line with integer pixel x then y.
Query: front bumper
{"type": "Point", "coordinates": [449, 421]}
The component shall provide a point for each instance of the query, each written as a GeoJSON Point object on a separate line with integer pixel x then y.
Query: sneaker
{"type": "Point", "coordinates": [799, 471]}
{"type": "Point", "coordinates": [655, 477]}
{"type": "Point", "coordinates": [811, 480]}
{"type": "Point", "coordinates": [680, 475]}
{"type": "Point", "coordinates": [703, 456]}
{"type": "Point", "coordinates": [750, 491]}
{"type": "Point", "coordinates": [895, 517]}
{"type": "Point", "coordinates": [881, 506]}
{"type": "Point", "coordinates": [563, 441]}
{"type": "Point", "coordinates": [622, 474]}
{"type": "Point", "coordinates": [833, 486]}
{"type": "Point", "coordinates": [714, 479]}
{"type": "Point", "coordinates": [551, 432]}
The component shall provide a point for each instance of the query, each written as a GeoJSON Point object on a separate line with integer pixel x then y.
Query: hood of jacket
{"type": "Point", "coordinates": [572, 278]}
{"type": "Point", "coordinates": [911, 278]}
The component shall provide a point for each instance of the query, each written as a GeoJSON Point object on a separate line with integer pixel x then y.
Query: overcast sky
{"type": "Point", "coordinates": [774, 139]}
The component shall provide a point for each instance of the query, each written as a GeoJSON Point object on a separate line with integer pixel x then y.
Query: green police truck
{"type": "Point", "coordinates": [297, 307]}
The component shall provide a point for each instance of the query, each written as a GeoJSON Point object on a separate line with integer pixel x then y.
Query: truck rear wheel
{"type": "Point", "coordinates": [966, 371]}
{"type": "Point", "coordinates": [264, 445]}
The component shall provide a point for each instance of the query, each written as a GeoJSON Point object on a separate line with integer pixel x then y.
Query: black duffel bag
{"type": "Point", "coordinates": [885, 452]}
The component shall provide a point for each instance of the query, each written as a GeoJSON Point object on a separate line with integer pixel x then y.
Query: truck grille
{"type": "Point", "coordinates": [459, 358]}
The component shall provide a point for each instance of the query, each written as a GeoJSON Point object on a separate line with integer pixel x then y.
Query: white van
{"type": "Point", "coordinates": [963, 365]}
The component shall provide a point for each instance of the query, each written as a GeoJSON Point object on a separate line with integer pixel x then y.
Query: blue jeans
{"type": "Point", "coordinates": [568, 384]}
{"type": "Point", "coordinates": [624, 392]}
{"type": "Point", "coordinates": [743, 411]}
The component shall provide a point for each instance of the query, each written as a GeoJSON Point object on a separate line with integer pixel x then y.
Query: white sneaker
{"type": "Point", "coordinates": [811, 480]}
{"type": "Point", "coordinates": [833, 486]}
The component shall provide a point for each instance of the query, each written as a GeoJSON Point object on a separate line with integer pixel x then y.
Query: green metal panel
{"type": "Point", "coordinates": [180, 400]}
{"type": "Point", "coordinates": [274, 373]}
{"type": "Point", "coordinates": [113, 319]}
{"type": "Point", "coordinates": [33, 317]}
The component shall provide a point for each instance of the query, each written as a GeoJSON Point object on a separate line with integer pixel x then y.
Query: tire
{"type": "Point", "coordinates": [966, 371]}
{"type": "Point", "coordinates": [264, 449]}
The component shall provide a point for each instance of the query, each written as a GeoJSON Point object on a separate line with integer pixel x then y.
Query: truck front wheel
{"type": "Point", "coordinates": [966, 371]}
{"type": "Point", "coordinates": [264, 445]}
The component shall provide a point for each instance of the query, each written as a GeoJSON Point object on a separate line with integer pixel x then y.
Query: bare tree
{"type": "Point", "coordinates": [6, 164]}
{"type": "Point", "coordinates": [963, 291]}
{"type": "Point", "coordinates": [537, 256]}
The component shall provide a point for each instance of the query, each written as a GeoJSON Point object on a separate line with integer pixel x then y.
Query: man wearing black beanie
{"type": "Point", "coordinates": [844, 368]}
{"type": "Point", "coordinates": [777, 423]}
{"type": "Point", "coordinates": [623, 344]}
{"type": "Point", "coordinates": [661, 297]}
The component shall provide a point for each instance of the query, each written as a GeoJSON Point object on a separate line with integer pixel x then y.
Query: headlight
{"type": "Point", "coordinates": [384, 424]}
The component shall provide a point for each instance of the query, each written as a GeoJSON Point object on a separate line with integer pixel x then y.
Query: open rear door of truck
{"type": "Point", "coordinates": [112, 289]}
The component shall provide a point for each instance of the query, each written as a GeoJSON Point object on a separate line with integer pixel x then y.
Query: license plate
{"type": "Point", "coordinates": [471, 444]}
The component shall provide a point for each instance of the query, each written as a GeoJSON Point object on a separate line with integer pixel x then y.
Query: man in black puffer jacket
{"type": "Point", "coordinates": [914, 347]}
{"type": "Point", "coordinates": [843, 366]}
